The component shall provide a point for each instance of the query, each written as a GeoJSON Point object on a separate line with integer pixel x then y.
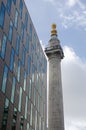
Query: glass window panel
{"type": "Point", "coordinates": [10, 31]}
{"type": "Point", "coordinates": [30, 31]}
{"type": "Point", "coordinates": [21, 7]}
{"type": "Point", "coordinates": [3, 48]}
{"type": "Point", "coordinates": [29, 64]}
{"type": "Point", "coordinates": [19, 70]}
{"type": "Point", "coordinates": [25, 76]}
{"type": "Point", "coordinates": [16, 19]}
{"type": "Point", "coordinates": [27, 43]}
{"type": "Point", "coordinates": [13, 89]}
{"type": "Point", "coordinates": [30, 88]}
{"type": "Point", "coordinates": [31, 114]}
{"type": "Point", "coordinates": [5, 75]}
{"type": "Point", "coordinates": [5, 115]}
{"type": "Point", "coordinates": [28, 126]}
{"type": "Point", "coordinates": [35, 120]}
{"type": "Point", "coordinates": [20, 99]}
{"type": "Point", "coordinates": [23, 55]}
{"type": "Point", "coordinates": [33, 73]}
{"type": "Point", "coordinates": [14, 119]}
{"type": "Point", "coordinates": [38, 103]}
{"type": "Point", "coordinates": [12, 59]}
{"type": "Point", "coordinates": [17, 44]}
{"type": "Point", "coordinates": [22, 31]}
{"type": "Point", "coordinates": [9, 2]}
{"type": "Point", "coordinates": [21, 122]}
{"type": "Point", "coordinates": [34, 96]}
{"type": "Point", "coordinates": [14, 1]}
{"type": "Point", "coordinates": [26, 20]}
{"type": "Point", "coordinates": [2, 14]}
{"type": "Point", "coordinates": [26, 104]}
{"type": "Point", "coordinates": [39, 123]}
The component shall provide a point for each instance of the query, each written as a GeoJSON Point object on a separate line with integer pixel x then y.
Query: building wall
{"type": "Point", "coordinates": [23, 67]}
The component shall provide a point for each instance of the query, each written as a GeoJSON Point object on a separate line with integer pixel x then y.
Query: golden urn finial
{"type": "Point", "coordinates": [53, 31]}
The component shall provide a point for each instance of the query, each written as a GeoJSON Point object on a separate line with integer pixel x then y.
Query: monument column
{"type": "Point", "coordinates": [54, 53]}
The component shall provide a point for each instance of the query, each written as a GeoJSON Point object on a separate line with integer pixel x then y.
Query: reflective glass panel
{"type": "Point", "coordinates": [5, 74]}
{"type": "Point", "coordinates": [10, 31]}
{"type": "Point", "coordinates": [3, 47]}
{"type": "Point", "coordinates": [21, 7]}
{"type": "Point", "coordinates": [16, 19]}
{"type": "Point", "coordinates": [14, 119]}
{"type": "Point", "coordinates": [19, 70]}
{"type": "Point", "coordinates": [13, 89]}
{"type": "Point", "coordinates": [17, 44]}
{"type": "Point", "coordinates": [25, 80]}
{"type": "Point", "coordinates": [2, 14]}
{"type": "Point", "coordinates": [12, 59]}
{"type": "Point", "coordinates": [26, 104]}
{"type": "Point", "coordinates": [5, 115]}
{"type": "Point", "coordinates": [20, 99]}
{"type": "Point", "coordinates": [9, 2]}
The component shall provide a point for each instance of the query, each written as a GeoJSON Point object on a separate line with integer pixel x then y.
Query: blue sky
{"type": "Point", "coordinates": [70, 17]}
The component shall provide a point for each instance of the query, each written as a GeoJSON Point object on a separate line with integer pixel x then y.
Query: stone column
{"type": "Point", "coordinates": [54, 53]}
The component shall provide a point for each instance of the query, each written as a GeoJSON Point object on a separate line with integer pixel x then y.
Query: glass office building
{"type": "Point", "coordinates": [23, 70]}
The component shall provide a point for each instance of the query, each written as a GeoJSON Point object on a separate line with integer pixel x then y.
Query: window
{"type": "Point", "coordinates": [17, 44]}
{"type": "Point", "coordinates": [5, 115]}
{"type": "Point", "coordinates": [34, 96]}
{"type": "Point", "coordinates": [30, 32]}
{"type": "Point", "coordinates": [38, 103]}
{"type": "Point", "coordinates": [19, 70]}
{"type": "Point", "coordinates": [25, 81]}
{"type": "Point", "coordinates": [35, 120]}
{"type": "Point", "coordinates": [20, 99]}
{"type": "Point", "coordinates": [2, 14]}
{"type": "Point", "coordinates": [31, 114]}
{"type": "Point", "coordinates": [14, 119]}
{"type": "Point", "coordinates": [26, 20]}
{"type": "Point", "coordinates": [30, 88]}
{"type": "Point", "coordinates": [27, 43]}
{"type": "Point", "coordinates": [26, 104]}
{"type": "Point", "coordinates": [29, 64]}
{"type": "Point", "coordinates": [10, 31]}
{"type": "Point", "coordinates": [23, 55]}
{"type": "Point", "coordinates": [21, 7]}
{"type": "Point", "coordinates": [22, 31]}
{"type": "Point", "coordinates": [33, 72]}
{"type": "Point", "coordinates": [13, 89]}
{"type": "Point", "coordinates": [9, 2]}
{"type": "Point", "coordinates": [21, 122]}
{"type": "Point", "coordinates": [3, 47]}
{"type": "Point", "coordinates": [28, 126]}
{"type": "Point", "coordinates": [12, 59]}
{"type": "Point", "coordinates": [16, 19]}
{"type": "Point", "coordinates": [5, 75]}
{"type": "Point", "coordinates": [14, 1]}
{"type": "Point", "coordinates": [39, 123]}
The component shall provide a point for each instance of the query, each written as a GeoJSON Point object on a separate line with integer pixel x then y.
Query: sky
{"type": "Point", "coordinates": [70, 18]}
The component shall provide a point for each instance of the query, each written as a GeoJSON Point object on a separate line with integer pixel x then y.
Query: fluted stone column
{"type": "Point", "coordinates": [54, 53]}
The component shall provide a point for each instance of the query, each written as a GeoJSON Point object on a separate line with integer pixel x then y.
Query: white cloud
{"type": "Point", "coordinates": [74, 90]}
{"type": "Point", "coordinates": [71, 12]}
{"type": "Point", "coordinates": [71, 2]}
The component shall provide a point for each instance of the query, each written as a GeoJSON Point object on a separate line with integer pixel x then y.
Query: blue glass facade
{"type": "Point", "coordinates": [23, 70]}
